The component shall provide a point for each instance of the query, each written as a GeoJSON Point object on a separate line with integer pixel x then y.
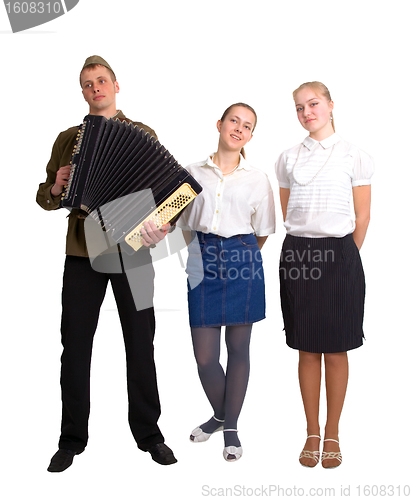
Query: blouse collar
{"type": "Point", "coordinates": [326, 143]}
{"type": "Point", "coordinates": [242, 163]}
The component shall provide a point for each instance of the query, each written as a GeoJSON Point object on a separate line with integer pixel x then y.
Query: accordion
{"type": "Point", "coordinates": [122, 177]}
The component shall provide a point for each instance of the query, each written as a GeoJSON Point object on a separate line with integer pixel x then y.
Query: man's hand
{"type": "Point", "coordinates": [151, 234]}
{"type": "Point", "coordinates": [62, 178]}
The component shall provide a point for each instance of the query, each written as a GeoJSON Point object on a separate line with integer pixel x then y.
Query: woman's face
{"type": "Point", "coordinates": [314, 113]}
{"type": "Point", "coordinates": [236, 129]}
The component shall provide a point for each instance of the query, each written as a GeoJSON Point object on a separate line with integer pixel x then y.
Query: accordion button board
{"type": "Point", "coordinates": [163, 214]}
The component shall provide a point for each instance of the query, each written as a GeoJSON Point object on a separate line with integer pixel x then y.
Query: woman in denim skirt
{"type": "Point", "coordinates": [229, 223]}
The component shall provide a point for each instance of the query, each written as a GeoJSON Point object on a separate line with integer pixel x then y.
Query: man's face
{"type": "Point", "coordinates": [99, 91]}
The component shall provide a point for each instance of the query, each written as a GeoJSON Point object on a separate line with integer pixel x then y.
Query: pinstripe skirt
{"type": "Point", "coordinates": [322, 291]}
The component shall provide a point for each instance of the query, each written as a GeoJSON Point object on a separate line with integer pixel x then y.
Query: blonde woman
{"type": "Point", "coordinates": [325, 196]}
{"type": "Point", "coordinates": [229, 222]}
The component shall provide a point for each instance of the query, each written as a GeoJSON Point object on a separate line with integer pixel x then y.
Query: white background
{"type": "Point", "coordinates": [179, 65]}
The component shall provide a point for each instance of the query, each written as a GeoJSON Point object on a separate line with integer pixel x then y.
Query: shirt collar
{"type": "Point", "coordinates": [242, 163]}
{"type": "Point", "coordinates": [326, 143]}
{"type": "Point", "coordinates": [119, 115]}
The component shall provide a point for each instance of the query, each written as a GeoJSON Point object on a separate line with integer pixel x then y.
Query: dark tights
{"type": "Point", "coordinates": [225, 392]}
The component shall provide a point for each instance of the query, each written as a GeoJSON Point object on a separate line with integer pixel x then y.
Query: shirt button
{"type": "Point", "coordinates": [217, 211]}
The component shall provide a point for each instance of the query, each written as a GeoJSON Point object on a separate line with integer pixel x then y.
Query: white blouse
{"type": "Point", "coordinates": [320, 176]}
{"type": "Point", "coordinates": [238, 203]}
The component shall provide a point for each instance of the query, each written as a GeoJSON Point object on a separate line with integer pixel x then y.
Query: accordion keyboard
{"type": "Point", "coordinates": [163, 214]}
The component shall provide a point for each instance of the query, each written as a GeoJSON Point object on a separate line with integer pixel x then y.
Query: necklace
{"type": "Point", "coordinates": [227, 173]}
{"type": "Point", "coordinates": [231, 172]}
{"type": "Point", "coordinates": [317, 173]}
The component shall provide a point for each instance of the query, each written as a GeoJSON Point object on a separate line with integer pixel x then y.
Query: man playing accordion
{"type": "Point", "coordinates": [83, 292]}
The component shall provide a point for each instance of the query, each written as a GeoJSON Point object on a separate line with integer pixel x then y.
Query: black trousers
{"type": "Point", "coordinates": [83, 293]}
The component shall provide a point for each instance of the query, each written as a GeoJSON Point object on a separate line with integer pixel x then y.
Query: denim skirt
{"type": "Point", "coordinates": [225, 281]}
{"type": "Point", "coordinates": [322, 291]}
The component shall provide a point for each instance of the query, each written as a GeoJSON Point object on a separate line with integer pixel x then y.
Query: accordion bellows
{"type": "Point", "coordinates": [122, 176]}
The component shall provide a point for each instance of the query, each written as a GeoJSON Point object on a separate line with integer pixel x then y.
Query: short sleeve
{"type": "Point", "coordinates": [363, 169]}
{"type": "Point", "coordinates": [281, 173]}
{"type": "Point", "coordinates": [264, 219]}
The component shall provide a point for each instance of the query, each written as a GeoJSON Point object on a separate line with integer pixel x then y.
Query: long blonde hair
{"type": "Point", "coordinates": [243, 105]}
{"type": "Point", "coordinates": [319, 87]}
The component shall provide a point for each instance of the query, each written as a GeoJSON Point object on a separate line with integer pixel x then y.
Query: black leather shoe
{"type": "Point", "coordinates": [162, 454]}
{"type": "Point", "coordinates": [61, 460]}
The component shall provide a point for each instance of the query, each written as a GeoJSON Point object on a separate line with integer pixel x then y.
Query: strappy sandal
{"type": "Point", "coordinates": [331, 455]}
{"type": "Point", "coordinates": [314, 455]}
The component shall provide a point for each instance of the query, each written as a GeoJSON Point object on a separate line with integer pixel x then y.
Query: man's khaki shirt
{"type": "Point", "coordinates": [61, 155]}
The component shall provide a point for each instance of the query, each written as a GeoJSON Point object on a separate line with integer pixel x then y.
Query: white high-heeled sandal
{"type": "Point", "coordinates": [199, 436]}
{"type": "Point", "coordinates": [330, 455]}
{"type": "Point", "coordinates": [232, 453]}
{"type": "Point", "coordinates": [314, 455]}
